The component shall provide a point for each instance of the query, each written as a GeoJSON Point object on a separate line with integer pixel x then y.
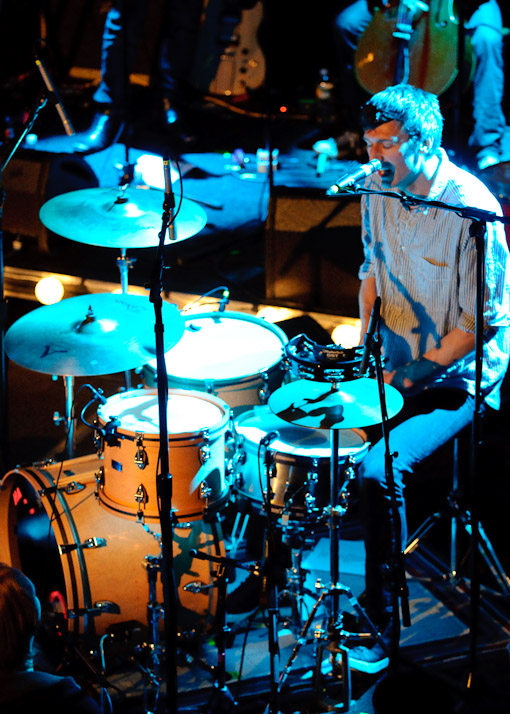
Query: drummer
{"type": "Point", "coordinates": [421, 262]}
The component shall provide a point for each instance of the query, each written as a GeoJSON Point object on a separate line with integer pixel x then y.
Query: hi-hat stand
{"type": "Point", "coordinates": [335, 637]}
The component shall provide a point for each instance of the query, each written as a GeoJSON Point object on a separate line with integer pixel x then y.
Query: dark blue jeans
{"type": "Point", "coordinates": [176, 52]}
{"type": "Point", "coordinates": [426, 422]}
{"type": "Point", "coordinates": [485, 29]}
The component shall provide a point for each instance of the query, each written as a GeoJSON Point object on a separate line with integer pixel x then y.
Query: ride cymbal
{"type": "Point", "coordinates": [346, 405]}
{"type": "Point", "coordinates": [119, 218]}
{"type": "Point", "coordinates": [91, 334]}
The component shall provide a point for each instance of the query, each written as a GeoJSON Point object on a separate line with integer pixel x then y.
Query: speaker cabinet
{"type": "Point", "coordinates": [31, 179]}
{"type": "Point", "coordinates": [313, 250]}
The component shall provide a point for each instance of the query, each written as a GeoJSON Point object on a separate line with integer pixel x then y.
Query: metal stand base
{"type": "Point", "coordinates": [461, 518]}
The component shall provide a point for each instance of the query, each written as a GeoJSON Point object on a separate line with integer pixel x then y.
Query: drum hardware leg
{"type": "Point", "coordinates": [336, 636]}
{"type": "Point", "coordinates": [460, 517]}
{"type": "Point", "coordinates": [272, 574]}
{"type": "Point", "coordinates": [296, 575]}
{"type": "Point", "coordinates": [221, 700]}
{"type": "Point", "coordinates": [234, 538]}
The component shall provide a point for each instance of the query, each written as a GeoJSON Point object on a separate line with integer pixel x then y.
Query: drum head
{"type": "Point", "coordinates": [225, 346]}
{"type": "Point", "coordinates": [187, 412]}
{"type": "Point", "coordinates": [293, 439]}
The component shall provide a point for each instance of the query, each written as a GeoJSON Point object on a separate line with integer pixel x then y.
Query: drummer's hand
{"type": "Point", "coordinates": [388, 378]}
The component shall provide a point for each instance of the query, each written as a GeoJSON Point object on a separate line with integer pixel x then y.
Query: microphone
{"type": "Point", "coordinates": [98, 394]}
{"type": "Point", "coordinates": [268, 438]}
{"type": "Point", "coordinates": [54, 97]}
{"type": "Point", "coordinates": [169, 202]}
{"type": "Point", "coordinates": [369, 336]}
{"type": "Point", "coordinates": [166, 174]}
{"type": "Point", "coordinates": [224, 300]}
{"type": "Point", "coordinates": [362, 172]}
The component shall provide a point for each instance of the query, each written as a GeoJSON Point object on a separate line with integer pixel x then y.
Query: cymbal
{"type": "Point", "coordinates": [91, 334]}
{"type": "Point", "coordinates": [346, 405]}
{"type": "Point", "coordinates": [112, 218]}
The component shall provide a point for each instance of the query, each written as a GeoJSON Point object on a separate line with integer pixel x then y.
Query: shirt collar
{"type": "Point", "coordinates": [441, 178]}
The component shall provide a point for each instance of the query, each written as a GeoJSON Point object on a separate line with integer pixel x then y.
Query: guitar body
{"type": "Point", "coordinates": [433, 49]}
{"type": "Point", "coordinates": [229, 60]}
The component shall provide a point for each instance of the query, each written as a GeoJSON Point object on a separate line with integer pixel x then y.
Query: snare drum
{"type": "Point", "coordinates": [235, 356]}
{"type": "Point", "coordinates": [95, 560]}
{"type": "Point", "coordinates": [302, 460]}
{"type": "Point", "coordinates": [197, 423]}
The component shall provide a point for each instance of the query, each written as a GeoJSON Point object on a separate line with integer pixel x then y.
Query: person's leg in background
{"type": "Point", "coordinates": [485, 29]}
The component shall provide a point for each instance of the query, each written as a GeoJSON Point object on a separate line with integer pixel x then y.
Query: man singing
{"type": "Point", "coordinates": [421, 262]}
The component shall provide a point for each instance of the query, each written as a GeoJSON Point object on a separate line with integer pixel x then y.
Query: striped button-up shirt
{"type": "Point", "coordinates": [424, 263]}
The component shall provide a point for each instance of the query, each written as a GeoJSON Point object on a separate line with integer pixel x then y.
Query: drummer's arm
{"type": "Point", "coordinates": [455, 345]}
{"type": "Point", "coordinates": [366, 300]}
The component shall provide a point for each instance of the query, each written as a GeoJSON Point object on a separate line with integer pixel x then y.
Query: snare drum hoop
{"type": "Point", "coordinates": [213, 430]}
{"type": "Point", "coordinates": [179, 376]}
{"type": "Point", "coordinates": [279, 447]}
{"type": "Point", "coordinates": [283, 453]}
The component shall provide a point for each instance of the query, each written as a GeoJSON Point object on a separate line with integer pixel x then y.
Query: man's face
{"type": "Point", "coordinates": [402, 156]}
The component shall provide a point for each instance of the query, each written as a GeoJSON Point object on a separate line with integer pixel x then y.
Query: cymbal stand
{"type": "Point", "coordinates": [154, 613]}
{"type": "Point", "coordinates": [270, 588]}
{"type": "Point", "coordinates": [124, 264]}
{"type": "Point", "coordinates": [7, 155]}
{"type": "Point", "coordinates": [68, 419]}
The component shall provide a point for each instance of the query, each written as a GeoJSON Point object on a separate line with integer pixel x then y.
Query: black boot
{"type": "Point", "coordinates": [105, 129]}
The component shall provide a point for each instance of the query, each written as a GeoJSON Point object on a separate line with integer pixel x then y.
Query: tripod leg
{"type": "Point", "coordinates": [489, 555]}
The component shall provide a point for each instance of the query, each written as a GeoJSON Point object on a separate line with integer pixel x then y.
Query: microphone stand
{"type": "Point", "coordinates": [400, 592]}
{"type": "Point", "coordinates": [9, 152]}
{"type": "Point", "coordinates": [479, 219]}
{"type": "Point", "coordinates": [164, 478]}
{"type": "Point", "coordinates": [271, 588]}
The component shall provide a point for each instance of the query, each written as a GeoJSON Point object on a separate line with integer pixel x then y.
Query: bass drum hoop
{"type": "Point", "coordinates": [87, 569]}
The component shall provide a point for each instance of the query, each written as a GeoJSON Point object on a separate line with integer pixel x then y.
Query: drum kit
{"type": "Point", "coordinates": [239, 391]}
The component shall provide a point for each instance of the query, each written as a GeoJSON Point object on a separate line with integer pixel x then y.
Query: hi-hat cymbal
{"type": "Point", "coordinates": [115, 218]}
{"type": "Point", "coordinates": [91, 334]}
{"type": "Point", "coordinates": [320, 405]}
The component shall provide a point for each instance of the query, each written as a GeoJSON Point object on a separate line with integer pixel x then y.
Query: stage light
{"type": "Point", "coordinates": [275, 314]}
{"type": "Point", "coordinates": [347, 334]}
{"type": "Point", "coordinates": [149, 170]}
{"type": "Point", "coordinates": [49, 290]}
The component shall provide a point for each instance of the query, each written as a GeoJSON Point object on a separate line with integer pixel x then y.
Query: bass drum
{"type": "Point", "coordinates": [197, 423]}
{"type": "Point", "coordinates": [302, 458]}
{"type": "Point", "coordinates": [233, 355]}
{"type": "Point", "coordinates": [92, 562]}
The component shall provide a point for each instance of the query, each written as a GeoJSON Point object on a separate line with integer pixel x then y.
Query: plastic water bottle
{"type": "Point", "coordinates": [324, 96]}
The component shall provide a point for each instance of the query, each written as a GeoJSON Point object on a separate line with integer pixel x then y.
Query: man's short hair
{"type": "Point", "coordinates": [19, 615]}
{"type": "Point", "coordinates": [417, 110]}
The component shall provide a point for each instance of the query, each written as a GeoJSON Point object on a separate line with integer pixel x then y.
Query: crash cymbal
{"type": "Point", "coordinates": [320, 405]}
{"type": "Point", "coordinates": [91, 334]}
{"type": "Point", "coordinates": [112, 218]}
